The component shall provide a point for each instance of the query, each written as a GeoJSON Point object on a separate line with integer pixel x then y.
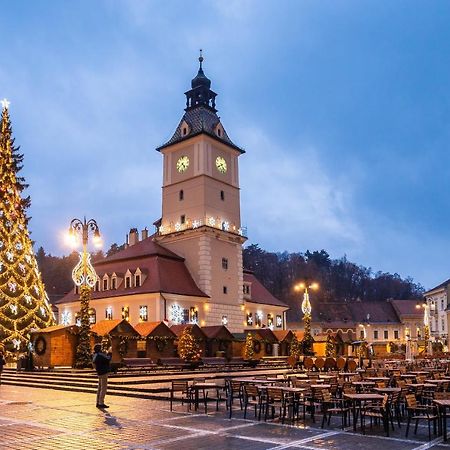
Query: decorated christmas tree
{"type": "Point", "coordinates": [248, 352]}
{"type": "Point", "coordinates": [188, 348]}
{"type": "Point", "coordinates": [295, 349]}
{"type": "Point", "coordinates": [83, 356]}
{"type": "Point", "coordinates": [23, 302]}
{"type": "Point", "coordinates": [330, 349]}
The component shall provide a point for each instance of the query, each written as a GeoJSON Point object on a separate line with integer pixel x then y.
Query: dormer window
{"type": "Point", "coordinates": [185, 131]}
{"type": "Point", "coordinates": [128, 282]}
{"type": "Point", "coordinates": [114, 283]}
{"type": "Point", "coordinates": [97, 285]}
{"type": "Point", "coordinates": [219, 132]}
{"type": "Point", "coordinates": [137, 280]}
{"type": "Point", "coordinates": [105, 284]}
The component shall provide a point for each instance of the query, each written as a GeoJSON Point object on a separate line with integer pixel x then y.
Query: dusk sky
{"type": "Point", "coordinates": [343, 108]}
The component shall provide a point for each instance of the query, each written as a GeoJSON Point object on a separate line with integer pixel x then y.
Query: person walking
{"type": "Point", "coordinates": [101, 362]}
{"type": "Point", "coordinates": [2, 364]}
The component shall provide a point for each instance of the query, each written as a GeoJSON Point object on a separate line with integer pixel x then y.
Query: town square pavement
{"type": "Point", "coordinates": [38, 419]}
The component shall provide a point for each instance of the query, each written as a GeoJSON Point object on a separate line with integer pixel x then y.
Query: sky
{"type": "Point", "coordinates": [342, 108]}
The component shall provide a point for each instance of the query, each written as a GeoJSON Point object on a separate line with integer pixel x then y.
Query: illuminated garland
{"type": "Point", "coordinates": [24, 304]}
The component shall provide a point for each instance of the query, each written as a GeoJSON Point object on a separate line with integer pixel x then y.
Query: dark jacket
{"type": "Point", "coordinates": [101, 363]}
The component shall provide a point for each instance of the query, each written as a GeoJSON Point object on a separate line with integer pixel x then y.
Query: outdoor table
{"type": "Point", "coordinates": [443, 405]}
{"type": "Point", "coordinates": [419, 372]}
{"type": "Point", "coordinates": [326, 377]}
{"type": "Point", "coordinates": [361, 384]}
{"type": "Point", "coordinates": [254, 380]}
{"type": "Point", "coordinates": [387, 390]}
{"type": "Point", "coordinates": [436, 381]}
{"type": "Point", "coordinates": [347, 375]}
{"type": "Point", "coordinates": [408, 375]}
{"type": "Point", "coordinates": [202, 387]}
{"type": "Point", "coordinates": [377, 378]}
{"type": "Point", "coordinates": [358, 399]}
{"type": "Point", "coordinates": [320, 386]}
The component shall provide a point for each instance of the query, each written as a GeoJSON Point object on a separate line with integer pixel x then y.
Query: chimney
{"type": "Point", "coordinates": [144, 233]}
{"type": "Point", "coordinates": [134, 236]}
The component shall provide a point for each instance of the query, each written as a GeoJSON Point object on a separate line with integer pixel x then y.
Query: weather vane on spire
{"type": "Point", "coordinates": [5, 103]}
{"type": "Point", "coordinates": [201, 58]}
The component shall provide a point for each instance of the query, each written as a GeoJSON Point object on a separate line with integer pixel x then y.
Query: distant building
{"type": "Point", "coordinates": [437, 301]}
{"type": "Point", "coordinates": [379, 323]}
{"type": "Point", "coordinates": [190, 270]}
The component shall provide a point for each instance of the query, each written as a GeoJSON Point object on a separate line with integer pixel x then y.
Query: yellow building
{"type": "Point", "coordinates": [191, 269]}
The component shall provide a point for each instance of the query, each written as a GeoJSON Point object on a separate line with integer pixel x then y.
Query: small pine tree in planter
{"type": "Point", "coordinates": [248, 352]}
{"type": "Point", "coordinates": [188, 348]}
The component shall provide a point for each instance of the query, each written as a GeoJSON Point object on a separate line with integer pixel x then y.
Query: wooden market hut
{"type": "Point", "coordinates": [157, 340]}
{"type": "Point", "coordinates": [121, 335]}
{"type": "Point", "coordinates": [218, 341]}
{"type": "Point", "coordinates": [263, 341]}
{"type": "Point", "coordinates": [344, 341]}
{"type": "Point", "coordinates": [199, 335]}
{"type": "Point", "coordinates": [55, 346]}
{"type": "Point", "coordinates": [320, 343]}
{"type": "Point", "coordinates": [284, 341]}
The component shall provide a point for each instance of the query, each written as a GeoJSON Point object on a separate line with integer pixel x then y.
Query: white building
{"type": "Point", "coordinates": [437, 300]}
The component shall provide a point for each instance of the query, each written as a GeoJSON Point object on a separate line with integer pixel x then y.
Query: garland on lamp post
{"type": "Point", "coordinates": [307, 341]}
{"type": "Point", "coordinates": [84, 277]}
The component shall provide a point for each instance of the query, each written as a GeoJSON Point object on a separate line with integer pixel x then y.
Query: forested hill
{"type": "Point", "coordinates": [340, 280]}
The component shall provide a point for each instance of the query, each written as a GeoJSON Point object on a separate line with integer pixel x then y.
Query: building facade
{"type": "Point", "coordinates": [437, 302]}
{"type": "Point", "coordinates": [191, 269]}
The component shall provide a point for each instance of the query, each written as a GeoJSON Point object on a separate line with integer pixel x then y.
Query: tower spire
{"type": "Point", "coordinates": [200, 58]}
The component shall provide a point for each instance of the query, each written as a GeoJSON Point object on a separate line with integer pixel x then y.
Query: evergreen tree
{"type": "Point", "coordinates": [188, 348]}
{"type": "Point", "coordinates": [295, 349]}
{"type": "Point", "coordinates": [248, 351]}
{"type": "Point", "coordinates": [24, 303]}
{"type": "Point", "coordinates": [83, 356]}
{"type": "Point", "coordinates": [330, 349]}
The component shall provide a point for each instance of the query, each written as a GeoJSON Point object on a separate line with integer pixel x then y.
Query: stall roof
{"type": "Point", "coordinates": [117, 326]}
{"type": "Point", "coordinates": [217, 332]}
{"type": "Point", "coordinates": [154, 328]}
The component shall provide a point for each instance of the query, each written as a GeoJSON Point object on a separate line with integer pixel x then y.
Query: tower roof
{"type": "Point", "coordinates": [200, 113]}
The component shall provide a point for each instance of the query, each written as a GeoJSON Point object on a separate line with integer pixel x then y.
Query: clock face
{"type": "Point", "coordinates": [221, 164]}
{"type": "Point", "coordinates": [182, 164]}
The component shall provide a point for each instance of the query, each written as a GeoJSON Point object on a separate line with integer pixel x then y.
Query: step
{"type": "Point", "coordinates": [92, 390]}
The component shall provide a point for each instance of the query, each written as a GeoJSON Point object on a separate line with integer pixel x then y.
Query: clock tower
{"type": "Point", "coordinates": [201, 206]}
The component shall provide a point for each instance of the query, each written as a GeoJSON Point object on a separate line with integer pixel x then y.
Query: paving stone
{"type": "Point", "coordinates": [214, 442]}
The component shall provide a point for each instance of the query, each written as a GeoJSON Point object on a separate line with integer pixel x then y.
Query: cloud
{"type": "Point", "coordinates": [290, 194]}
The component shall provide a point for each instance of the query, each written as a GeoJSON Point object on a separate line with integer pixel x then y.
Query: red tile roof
{"type": "Point", "coordinates": [118, 326]}
{"type": "Point", "coordinates": [165, 272]}
{"type": "Point", "coordinates": [70, 328]}
{"type": "Point", "coordinates": [154, 329]}
{"type": "Point", "coordinates": [196, 330]}
{"type": "Point", "coordinates": [259, 294]}
{"type": "Point", "coordinates": [407, 308]}
{"type": "Point", "coordinates": [283, 335]}
{"type": "Point", "coordinates": [217, 332]}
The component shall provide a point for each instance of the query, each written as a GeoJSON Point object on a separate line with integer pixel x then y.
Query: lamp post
{"type": "Point", "coordinates": [426, 324]}
{"type": "Point", "coordinates": [306, 310]}
{"type": "Point", "coordinates": [84, 277]}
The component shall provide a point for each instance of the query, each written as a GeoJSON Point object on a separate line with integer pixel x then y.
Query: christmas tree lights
{"type": "Point", "coordinates": [188, 348]}
{"type": "Point", "coordinates": [24, 303]}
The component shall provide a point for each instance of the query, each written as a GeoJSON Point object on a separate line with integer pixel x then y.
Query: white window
{"type": "Point", "coordinates": [143, 313]}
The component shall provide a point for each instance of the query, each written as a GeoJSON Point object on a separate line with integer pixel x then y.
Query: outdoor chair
{"type": "Point", "coordinates": [377, 411]}
{"type": "Point", "coordinates": [181, 387]}
{"type": "Point", "coordinates": [252, 397]}
{"type": "Point", "coordinates": [332, 405]}
{"type": "Point", "coordinates": [233, 390]}
{"type": "Point", "coordinates": [274, 399]}
{"type": "Point", "coordinates": [420, 412]}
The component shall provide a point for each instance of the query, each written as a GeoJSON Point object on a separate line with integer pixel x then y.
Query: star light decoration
{"type": "Point", "coordinates": [5, 103]}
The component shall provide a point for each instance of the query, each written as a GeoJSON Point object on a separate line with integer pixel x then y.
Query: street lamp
{"type": "Point", "coordinates": [426, 322]}
{"type": "Point", "coordinates": [306, 310]}
{"type": "Point", "coordinates": [84, 277]}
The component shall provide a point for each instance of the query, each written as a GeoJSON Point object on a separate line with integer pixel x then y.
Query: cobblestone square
{"type": "Point", "coordinates": [46, 419]}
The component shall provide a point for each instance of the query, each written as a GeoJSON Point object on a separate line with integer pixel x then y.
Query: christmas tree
{"type": "Point", "coordinates": [330, 349]}
{"type": "Point", "coordinates": [83, 356]}
{"type": "Point", "coordinates": [295, 349]}
{"type": "Point", "coordinates": [248, 352]}
{"type": "Point", "coordinates": [23, 302]}
{"type": "Point", "coordinates": [188, 348]}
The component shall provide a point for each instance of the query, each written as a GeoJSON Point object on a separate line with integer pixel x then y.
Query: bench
{"type": "Point", "coordinates": [274, 360]}
{"type": "Point", "coordinates": [214, 361]}
{"type": "Point", "coordinates": [178, 363]}
{"type": "Point", "coordinates": [138, 363]}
